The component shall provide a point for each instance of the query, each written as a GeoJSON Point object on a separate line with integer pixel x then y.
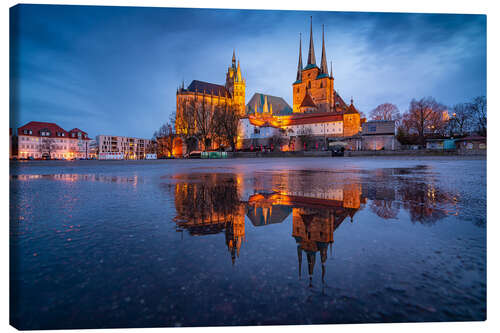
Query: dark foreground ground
{"type": "Point", "coordinates": [99, 244]}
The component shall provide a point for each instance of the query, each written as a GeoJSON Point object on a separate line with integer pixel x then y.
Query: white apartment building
{"type": "Point", "coordinates": [123, 148]}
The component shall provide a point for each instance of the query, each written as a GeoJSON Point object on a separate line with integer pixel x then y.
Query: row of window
{"type": "Point", "coordinates": [24, 138]}
{"type": "Point", "coordinates": [28, 146]}
{"type": "Point", "coordinates": [38, 155]}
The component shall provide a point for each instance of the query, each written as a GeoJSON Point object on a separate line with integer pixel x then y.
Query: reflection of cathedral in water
{"type": "Point", "coordinates": [319, 202]}
{"type": "Point", "coordinates": [216, 203]}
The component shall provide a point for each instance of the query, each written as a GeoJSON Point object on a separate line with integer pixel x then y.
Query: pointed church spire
{"type": "Point", "coordinates": [311, 59]}
{"type": "Point", "coordinates": [234, 60]}
{"type": "Point", "coordinates": [238, 73]}
{"type": "Point", "coordinates": [331, 68]}
{"type": "Point", "coordinates": [299, 67]}
{"type": "Point", "coordinates": [324, 66]}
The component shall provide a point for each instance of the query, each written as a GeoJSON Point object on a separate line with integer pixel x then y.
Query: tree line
{"type": "Point", "coordinates": [201, 125]}
{"type": "Point", "coordinates": [427, 117]}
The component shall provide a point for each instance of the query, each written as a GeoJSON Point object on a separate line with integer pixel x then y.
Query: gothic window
{"type": "Point", "coordinates": [321, 85]}
{"type": "Point", "coordinates": [309, 84]}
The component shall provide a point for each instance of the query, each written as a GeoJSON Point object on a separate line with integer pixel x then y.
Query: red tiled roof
{"type": "Point", "coordinates": [76, 130]}
{"type": "Point", "coordinates": [307, 101]}
{"type": "Point", "coordinates": [37, 126]}
{"type": "Point", "coordinates": [312, 118]}
{"type": "Point", "coordinates": [339, 100]}
{"type": "Point", "coordinates": [351, 109]}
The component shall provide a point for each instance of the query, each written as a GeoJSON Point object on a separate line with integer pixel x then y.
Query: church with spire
{"type": "Point", "coordinates": [317, 110]}
{"type": "Point", "coordinates": [211, 95]}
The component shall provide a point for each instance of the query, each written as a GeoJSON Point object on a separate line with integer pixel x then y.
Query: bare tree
{"type": "Point", "coordinates": [478, 111]}
{"type": "Point", "coordinates": [165, 137]}
{"type": "Point", "coordinates": [425, 116]}
{"type": "Point", "coordinates": [204, 124]}
{"type": "Point", "coordinates": [386, 111]}
{"type": "Point", "coordinates": [305, 135]}
{"type": "Point", "coordinates": [226, 124]}
{"type": "Point", "coordinates": [47, 146]}
{"type": "Point", "coordinates": [185, 123]}
{"type": "Point", "coordinates": [460, 120]}
{"type": "Point", "coordinates": [277, 140]}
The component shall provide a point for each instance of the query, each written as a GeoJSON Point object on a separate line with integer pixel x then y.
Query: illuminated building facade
{"type": "Point", "coordinates": [201, 94]}
{"type": "Point", "coordinates": [122, 148]}
{"type": "Point", "coordinates": [318, 110]}
{"type": "Point", "coordinates": [49, 140]}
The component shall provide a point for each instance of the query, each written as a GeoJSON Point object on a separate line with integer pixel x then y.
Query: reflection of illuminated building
{"type": "Point", "coordinates": [213, 203]}
{"type": "Point", "coordinates": [210, 207]}
{"type": "Point", "coordinates": [235, 233]}
{"type": "Point", "coordinates": [316, 213]}
{"type": "Point", "coordinates": [316, 219]}
{"type": "Point", "coordinates": [264, 209]}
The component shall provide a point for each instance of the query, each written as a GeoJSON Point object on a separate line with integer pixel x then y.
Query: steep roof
{"type": "Point", "coordinates": [339, 100]}
{"type": "Point", "coordinates": [351, 109]}
{"type": "Point", "coordinates": [37, 126]}
{"type": "Point", "coordinates": [280, 106]}
{"type": "Point", "coordinates": [208, 88]}
{"type": "Point", "coordinates": [77, 130]}
{"type": "Point", "coordinates": [308, 101]}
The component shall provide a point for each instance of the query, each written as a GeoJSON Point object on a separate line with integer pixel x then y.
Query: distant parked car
{"type": "Point", "coordinates": [338, 151]}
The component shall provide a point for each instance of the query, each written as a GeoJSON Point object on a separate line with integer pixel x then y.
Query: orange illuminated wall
{"type": "Point", "coordinates": [320, 89]}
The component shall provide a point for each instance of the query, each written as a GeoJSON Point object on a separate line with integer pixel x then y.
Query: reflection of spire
{"type": "Point", "coordinates": [323, 260]}
{"type": "Point", "coordinates": [311, 260]}
{"type": "Point", "coordinates": [299, 256]}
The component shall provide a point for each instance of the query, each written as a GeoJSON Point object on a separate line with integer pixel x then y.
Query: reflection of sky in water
{"type": "Point", "coordinates": [248, 243]}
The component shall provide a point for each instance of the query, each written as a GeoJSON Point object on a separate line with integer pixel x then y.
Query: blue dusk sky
{"type": "Point", "coordinates": [115, 70]}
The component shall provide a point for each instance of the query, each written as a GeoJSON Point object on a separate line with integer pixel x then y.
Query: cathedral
{"type": "Point", "coordinates": [318, 112]}
{"type": "Point", "coordinates": [232, 93]}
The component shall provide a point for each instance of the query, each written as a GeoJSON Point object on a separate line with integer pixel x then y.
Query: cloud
{"type": "Point", "coordinates": [115, 70]}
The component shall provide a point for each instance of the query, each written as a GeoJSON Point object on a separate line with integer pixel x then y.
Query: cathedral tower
{"type": "Point", "coordinates": [235, 84]}
{"type": "Point", "coordinates": [312, 81]}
